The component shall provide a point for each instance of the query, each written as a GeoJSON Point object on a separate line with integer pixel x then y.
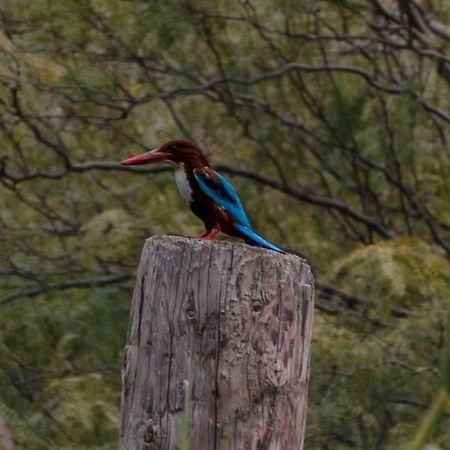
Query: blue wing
{"type": "Point", "coordinates": [221, 191]}
{"type": "Point", "coordinates": [216, 187]}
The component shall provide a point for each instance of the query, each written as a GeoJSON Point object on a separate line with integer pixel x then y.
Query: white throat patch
{"type": "Point", "coordinates": [183, 186]}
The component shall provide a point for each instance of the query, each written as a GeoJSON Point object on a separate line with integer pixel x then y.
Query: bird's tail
{"type": "Point", "coordinates": [253, 239]}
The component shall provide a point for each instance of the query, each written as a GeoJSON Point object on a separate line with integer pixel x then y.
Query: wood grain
{"type": "Point", "coordinates": [218, 348]}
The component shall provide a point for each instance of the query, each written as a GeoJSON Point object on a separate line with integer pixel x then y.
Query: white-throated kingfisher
{"type": "Point", "coordinates": [209, 195]}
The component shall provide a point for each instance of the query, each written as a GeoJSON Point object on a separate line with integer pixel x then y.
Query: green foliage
{"type": "Point", "coordinates": [62, 373]}
{"type": "Point", "coordinates": [441, 403]}
{"type": "Point", "coordinates": [348, 167]}
{"type": "Point", "coordinates": [404, 272]}
{"type": "Point", "coordinates": [377, 374]}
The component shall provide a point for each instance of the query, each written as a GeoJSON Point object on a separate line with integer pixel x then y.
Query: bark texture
{"type": "Point", "coordinates": [218, 348]}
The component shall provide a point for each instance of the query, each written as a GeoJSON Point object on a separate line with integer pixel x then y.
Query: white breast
{"type": "Point", "coordinates": [184, 188]}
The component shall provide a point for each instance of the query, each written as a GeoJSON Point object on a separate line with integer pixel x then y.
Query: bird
{"type": "Point", "coordinates": [209, 195]}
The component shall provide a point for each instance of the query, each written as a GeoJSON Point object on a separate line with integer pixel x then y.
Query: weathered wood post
{"type": "Point", "coordinates": [218, 348]}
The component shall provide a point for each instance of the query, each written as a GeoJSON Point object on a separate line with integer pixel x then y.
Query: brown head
{"type": "Point", "coordinates": [176, 151]}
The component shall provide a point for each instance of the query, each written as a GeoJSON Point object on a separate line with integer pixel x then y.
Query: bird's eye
{"type": "Point", "coordinates": [173, 148]}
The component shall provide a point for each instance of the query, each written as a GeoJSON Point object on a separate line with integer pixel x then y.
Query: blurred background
{"type": "Point", "coordinates": [330, 118]}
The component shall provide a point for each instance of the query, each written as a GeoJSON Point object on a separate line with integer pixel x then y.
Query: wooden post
{"type": "Point", "coordinates": [218, 348]}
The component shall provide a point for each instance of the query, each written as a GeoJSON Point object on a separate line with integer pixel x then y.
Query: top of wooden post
{"type": "Point", "coordinates": [195, 245]}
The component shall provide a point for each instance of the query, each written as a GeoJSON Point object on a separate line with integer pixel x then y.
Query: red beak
{"type": "Point", "coordinates": [146, 158]}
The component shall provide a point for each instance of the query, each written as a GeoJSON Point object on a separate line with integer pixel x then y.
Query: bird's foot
{"type": "Point", "coordinates": [209, 235]}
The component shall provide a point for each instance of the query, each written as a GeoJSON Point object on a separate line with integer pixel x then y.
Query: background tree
{"type": "Point", "coordinates": [332, 119]}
